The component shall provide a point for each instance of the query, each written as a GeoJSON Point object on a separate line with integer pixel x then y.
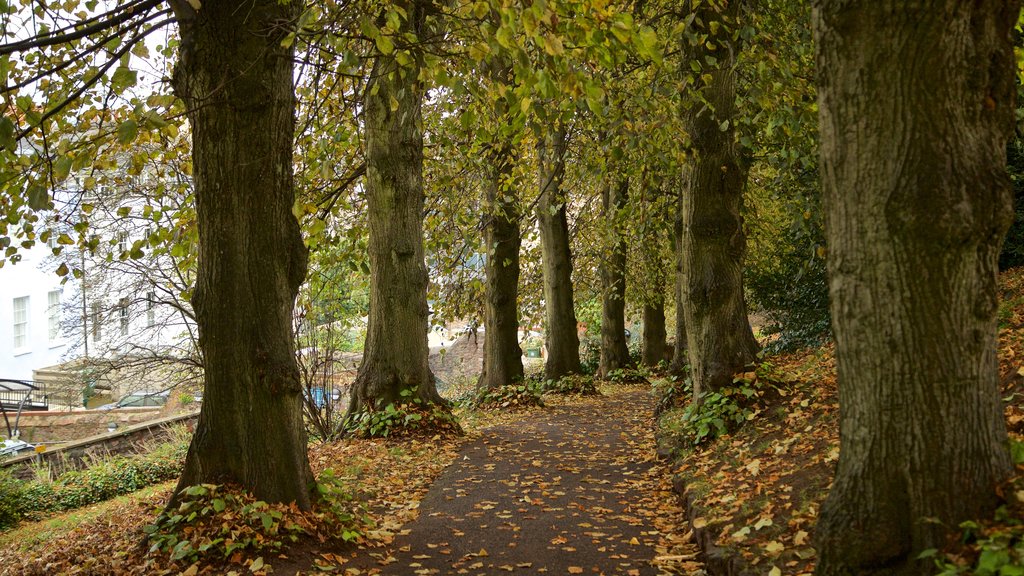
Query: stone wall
{"type": "Point", "coordinates": [78, 454]}
{"type": "Point", "coordinates": [47, 427]}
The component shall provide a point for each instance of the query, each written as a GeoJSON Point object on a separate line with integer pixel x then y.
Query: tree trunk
{"type": "Point", "coordinates": [652, 246]}
{"type": "Point", "coordinates": [503, 359]}
{"type": "Point", "coordinates": [396, 349]}
{"type": "Point", "coordinates": [614, 350]}
{"type": "Point", "coordinates": [916, 107]}
{"type": "Point", "coordinates": [654, 334]}
{"type": "Point", "coordinates": [718, 331]}
{"type": "Point", "coordinates": [561, 339]}
{"type": "Point", "coordinates": [236, 81]}
{"type": "Point", "coordinates": [680, 352]}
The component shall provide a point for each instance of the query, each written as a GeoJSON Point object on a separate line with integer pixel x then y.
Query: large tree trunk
{"type": "Point", "coordinates": [653, 350]}
{"type": "Point", "coordinates": [396, 349]}
{"type": "Point", "coordinates": [614, 350]}
{"type": "Point", "coordinates": [561, 339]}
{"type": "Point", "coordinates": [718, 331]}
{"type": "Point", "coordinates": [503, 359]}
{"type": "Point", "coordinates": [236, 81]}
{"type": "Point", "coordinates": [916, 106]}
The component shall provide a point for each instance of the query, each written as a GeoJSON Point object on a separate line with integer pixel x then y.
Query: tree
{"type": "Point", "coordinates": [503, 358]}
{"type": "Point", "coordinates": [561, 339]}
{"type": "Point", "coordinates": [614, 351]}
{"type": "Point", "coordinates": [916, 107]}
{"type": "Point", "coordinates": [235, 77]}
{"type": "Point", "coordinates": [503, 362]}
{"type": "Point", "coordinates": [718, 332]}
{"type": "Point", "coordinates": [681, 352]}
{"type": "Point", "coordinates": [394, 363]}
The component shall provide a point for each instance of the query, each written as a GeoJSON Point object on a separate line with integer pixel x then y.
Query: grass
{"type": "Point", "coordinates": [30, 535]}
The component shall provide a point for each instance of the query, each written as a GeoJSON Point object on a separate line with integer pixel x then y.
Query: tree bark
{"type": "Point", "coordinates": [396, 350]}
{"type": "Point", "coordinates": [561, 339]}
{"type": "Point", "coordinates": [680, 352]}
{"type": "Point", "coordinates": [614, 350]}
{"type": "Point", "coordinates": [718, 331]}
{"type": "Point", "coordinates": [236, 81]}
{"type": "Point", "coordinates": [653, 351]}
{"type": "Point", "coordinates": [503, 359]}
{"type": "Point", "coordinates": [652, 248]}
{"type": "Point", "coordinates": [916, 107]}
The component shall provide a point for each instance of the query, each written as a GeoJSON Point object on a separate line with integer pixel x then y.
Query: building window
{"type": "Point", "coordinates": [97, 322]}
{"type": "Point", "coordinates": [122, 241]}
{"type": "Point", "coordinates": [122, 314]}
{"type": "Point", "coordinates": [150, 309]}
{"type": "Point", "coordinates": [21, 322]}
{"type": "Point", "coordinates": [53, 315]}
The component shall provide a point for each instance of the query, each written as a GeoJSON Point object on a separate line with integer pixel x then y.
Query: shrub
{"type": "Point", "coordinates": [671, 391]}
{"type": "Point", "coordinates": [11, 497]}
{"type": "Point", "coordinates": [1013, 247]}
{"type": "Point", "coordinates": [785, 276]}
{"type": "Point", "coordinates": [628, 376]}
{"type": "Point", "coordinates": [590, 354]}
{"type": "Point", "coordinates": [217, 523]}
{"type": "Point", "coordinates": [573, 384]}
{"type": "Point", "coordinates": [105, 479]}
{"type": "Point", "coordinates": [411, 417]}
{"type": "Point", "coordinates": [521, 395]}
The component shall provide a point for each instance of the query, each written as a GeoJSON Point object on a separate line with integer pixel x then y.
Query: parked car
{"type": "Point", "coordinates": [137, 400]}
{"type": "Point", "coordinates": [13, 447]}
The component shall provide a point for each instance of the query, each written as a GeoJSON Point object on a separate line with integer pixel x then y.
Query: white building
{"type": "Point", "coordinates": [32, 302]}
{"type": "Point", "coordinates": [122, 324]}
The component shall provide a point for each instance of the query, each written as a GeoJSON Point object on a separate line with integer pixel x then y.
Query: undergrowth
{"type": "Point", "coordinates": [717, 412]}
{"type": "Point", "coordinates": [520, 395]}
{"type": "Point", "coordinates": [410, 417]}
{"type": "Point", "coordinates": [573, 384]}
{"type": "Point", "coordinates": [224, 524]}
{"type": "Point", "coordinates": [105, 479]}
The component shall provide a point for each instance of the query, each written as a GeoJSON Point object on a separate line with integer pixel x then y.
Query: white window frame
{"type": "Point", "coordinates": [53, 301]}
{"type": "Point", "coordinates": [97, 322]}
{"type": "Point", "coordinates": [150, 309]}
{"type": "Point", "coordinates": [122, 315]}
{"type": "Point", "coordinates": [20, 326]}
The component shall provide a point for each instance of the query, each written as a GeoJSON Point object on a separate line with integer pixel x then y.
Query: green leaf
{"type": "Point", "coordinates": [385, 45]}
{"type": "Point", "coordinates": [62, 270]}
{"type": "Point", "coordinates": [7, 133]}
{"type": "Point", "coordinates": [127, 131]}
{"type": "Point", "coordinates": [61, 168]}
{"type": "Point", "coordinates": [38, 199]}
{"type": "Point", "coordinates": [219, 505]}
{"type": "Point", "coordinates": [123, 78]}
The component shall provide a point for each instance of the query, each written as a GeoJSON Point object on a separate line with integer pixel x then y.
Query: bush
{"type": "Point", "coordinates": [1012, 254]}
{"type": "Point", "coordinates": [785, 275]}
{"type": "Point", "coordinates": [521, 395]}
{"type": "Point", "coordinates": [671, 391]}
{"type": "Point", "coordinates": [793, 295]}
{"type": "Point", "coordinates": [411, 417]}
{"type": "Point", "coordinates": [573, 384]}
{"type": "Point", "coordinates": [628, 376]}
{"type": "Point", "coordinates": [215, 523]}
{"type": "Point", "coordinates": [590, 354]}
{"type": "Point", "coordinates": [76, 488]}
{"type": "Point", "coordinates": [11, 497]}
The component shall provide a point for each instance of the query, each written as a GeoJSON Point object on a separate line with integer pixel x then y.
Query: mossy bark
{"type": "Point", "coordinates": [916, 107]}
{"type": "Point", "coordinates": [235, 78]}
